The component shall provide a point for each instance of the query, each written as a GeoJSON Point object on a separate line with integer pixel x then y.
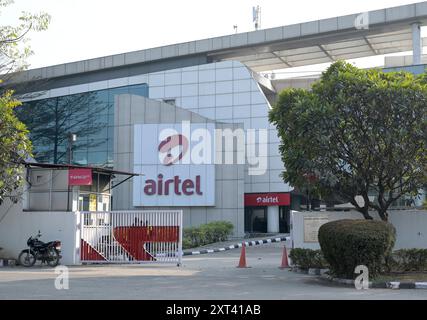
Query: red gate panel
{"type": "Point", "coordinates": [134, 239]}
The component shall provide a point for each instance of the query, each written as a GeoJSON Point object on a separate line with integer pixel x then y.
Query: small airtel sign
{"type": "Point", "coordinates": [79, 177]}
{"type": "Point", "coordinates": [267, 199]}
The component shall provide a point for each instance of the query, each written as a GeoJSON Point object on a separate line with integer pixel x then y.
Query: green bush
{"type": "Point", "coordinates": [349, 243]}
{"type": "Point", "coordinates": [408, 260]}
{"type": "Point", "coordinates": [207, 233]}
{"type": "Point", "coordinates": [192, 237]}
{"type": "Point", "coordinates": [186, 243]}
{"type": "Point", "coordinates": [307, 258]}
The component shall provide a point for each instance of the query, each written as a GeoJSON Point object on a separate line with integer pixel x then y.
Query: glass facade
{"type": "Point", "coordinates": [89, 115]}
{"type": "Point", "coordinates": [222, 91]}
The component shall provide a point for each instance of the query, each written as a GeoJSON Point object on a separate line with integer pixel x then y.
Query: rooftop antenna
{"type": "Point", "coordinates": [256, 17]}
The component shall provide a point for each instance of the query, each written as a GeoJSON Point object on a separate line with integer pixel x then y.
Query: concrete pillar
{"type": "Point", "coordinates": [75, 192]}
{"type": "Point", "coordinates": [273, 219]}
{"type": "Point", "coordinates": [26, 194]}
{"type": "Point", "coordinates": [416, 44]}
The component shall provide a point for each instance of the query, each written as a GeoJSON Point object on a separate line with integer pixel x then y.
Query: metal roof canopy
{"type": "Point", "coordinates": [99, 170]}
{"type": "Point", "coordinates": [324, 48]}
{"type": "Point", "coordinates": [71, 166]}
{"type": "Point", "coordinates": [309, 43]}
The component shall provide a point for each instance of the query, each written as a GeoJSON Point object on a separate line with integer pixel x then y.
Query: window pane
{"type": "Point", "coordinates": [89, 115]}
{"type": "Point", "coordinates": [97, 158]}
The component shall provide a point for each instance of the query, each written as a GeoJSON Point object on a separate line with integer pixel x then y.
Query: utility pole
{"type": "Point", "coordinates": [256, 16]}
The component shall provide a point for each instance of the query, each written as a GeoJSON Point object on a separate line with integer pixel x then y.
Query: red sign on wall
{"type": "Point", "coordinates": [267, 199]}
{"type": "Point", "coordinates": [79, 177]}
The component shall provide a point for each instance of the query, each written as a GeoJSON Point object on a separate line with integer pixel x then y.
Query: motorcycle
{"type": "Point", "coordinates": [49, 252]}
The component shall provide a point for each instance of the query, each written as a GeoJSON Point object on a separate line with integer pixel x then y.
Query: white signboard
{"type": "Point", "coordinates": [312, 226]}
{"type": "Point", "coordinates": [177, 163]}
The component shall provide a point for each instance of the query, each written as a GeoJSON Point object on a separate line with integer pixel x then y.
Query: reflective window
{"type": "Point", "coordinates": [89, 115]}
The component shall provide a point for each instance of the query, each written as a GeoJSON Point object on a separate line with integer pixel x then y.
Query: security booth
{"type": "Point", "coordinates": [63, 187]}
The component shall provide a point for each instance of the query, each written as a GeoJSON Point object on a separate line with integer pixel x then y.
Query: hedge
{"type": "Point", "coordinates": [349, 243]}
{"type": "Point", "coordinates": [407, 260]}
{"type": "Point", "coordinates": [206, 233]}
{"type": "Point", "coordinates": [308, 258]}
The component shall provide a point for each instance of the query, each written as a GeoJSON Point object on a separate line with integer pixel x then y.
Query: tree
{"type": "Point", "coordinates": [14, 146]}
{"type": "Point", "coordinates": [14, 41]}
{"type": "Point", "coordinates": [14, 143]}
{"type": "Point", "coordinates": [358, 132]}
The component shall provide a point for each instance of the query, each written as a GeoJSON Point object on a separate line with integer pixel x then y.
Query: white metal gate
{"type": "Point", "coordinates": [131, 236]}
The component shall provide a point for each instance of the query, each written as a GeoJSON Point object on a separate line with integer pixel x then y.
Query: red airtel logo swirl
{"type": "Point", "coordinates": [171, 142]}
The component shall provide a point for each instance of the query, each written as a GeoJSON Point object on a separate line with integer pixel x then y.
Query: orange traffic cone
{"type": "Point", "coordinates": [285, 263]}
{"type": "Point", "coordinates": [242, 261]}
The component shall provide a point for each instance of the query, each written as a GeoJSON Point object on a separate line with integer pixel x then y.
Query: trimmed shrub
{"type": "Point", "coordinates": [192, 237]}
{"type": "Point", "coordinates": [206, 233]}
{"type": "Point", "coordinates": [349, 243]}
{"type": "Point", "coordinates": [308, 258]}
{"type": "Point", "coordinates": [186, 243]}
{"type": "Point", "coordinates": [216, 231]}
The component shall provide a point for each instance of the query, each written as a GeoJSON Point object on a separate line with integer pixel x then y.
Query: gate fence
{"type": "Point", "coordinates": [131, 236]}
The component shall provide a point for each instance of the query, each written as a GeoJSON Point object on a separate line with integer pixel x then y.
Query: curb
{"type": "Point", "coordinates": [379, 285]}
{"type": "Point", "coordinates": [236, 246]}
{"type": "Point", "coordinates": [311, 271]}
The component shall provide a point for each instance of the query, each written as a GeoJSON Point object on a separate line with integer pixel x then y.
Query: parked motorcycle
{"type": "Point", "coordinates": [49, 252]}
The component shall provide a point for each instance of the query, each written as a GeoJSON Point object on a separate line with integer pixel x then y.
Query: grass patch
{"type": "Point", "coordinates": [402, 277]}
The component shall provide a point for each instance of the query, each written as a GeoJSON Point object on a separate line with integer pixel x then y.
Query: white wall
{"type": "Point", "coordinates": [411, 227]}
{"type": "Point", "coordinates": [17, 226]}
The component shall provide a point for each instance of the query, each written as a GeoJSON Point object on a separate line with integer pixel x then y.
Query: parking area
{"type": "Point", "coordinates": [210, 276]}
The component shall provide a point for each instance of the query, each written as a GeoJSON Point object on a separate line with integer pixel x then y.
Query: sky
{"type": "Point", "coordinates": [84, 29]}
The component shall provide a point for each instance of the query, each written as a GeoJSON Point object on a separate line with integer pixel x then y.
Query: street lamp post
{"type": "Point", "coordinates": [72, 137]}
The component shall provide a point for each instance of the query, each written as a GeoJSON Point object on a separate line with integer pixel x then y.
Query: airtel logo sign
{"type": "Point", "coordinates": [177, 164]}
{"type": "Point", "coordinates": [173, 149]}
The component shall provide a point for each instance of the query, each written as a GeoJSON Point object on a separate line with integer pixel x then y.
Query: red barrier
{"type": "Point", "coordinates": [88, 253]}
{"type": "Point", "coordinates": [134, 239]}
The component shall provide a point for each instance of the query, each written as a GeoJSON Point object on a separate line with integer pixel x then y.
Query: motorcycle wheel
{"type": "Point", "coordinates": [52, 258]}
{"type": "Point", "coordinates": [27, 258]}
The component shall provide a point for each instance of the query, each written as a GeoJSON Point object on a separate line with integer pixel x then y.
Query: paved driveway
{"type": "Point", "coordinates": [212, 276]}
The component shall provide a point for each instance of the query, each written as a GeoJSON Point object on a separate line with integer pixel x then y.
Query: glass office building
{"type": "Point", "coordinates": [221, 80]}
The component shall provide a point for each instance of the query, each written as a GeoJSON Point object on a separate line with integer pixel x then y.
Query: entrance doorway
{"type": "Point", "coordinates": [256, 219]}
{"type": "Point", "coordinates": [284, 219]}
